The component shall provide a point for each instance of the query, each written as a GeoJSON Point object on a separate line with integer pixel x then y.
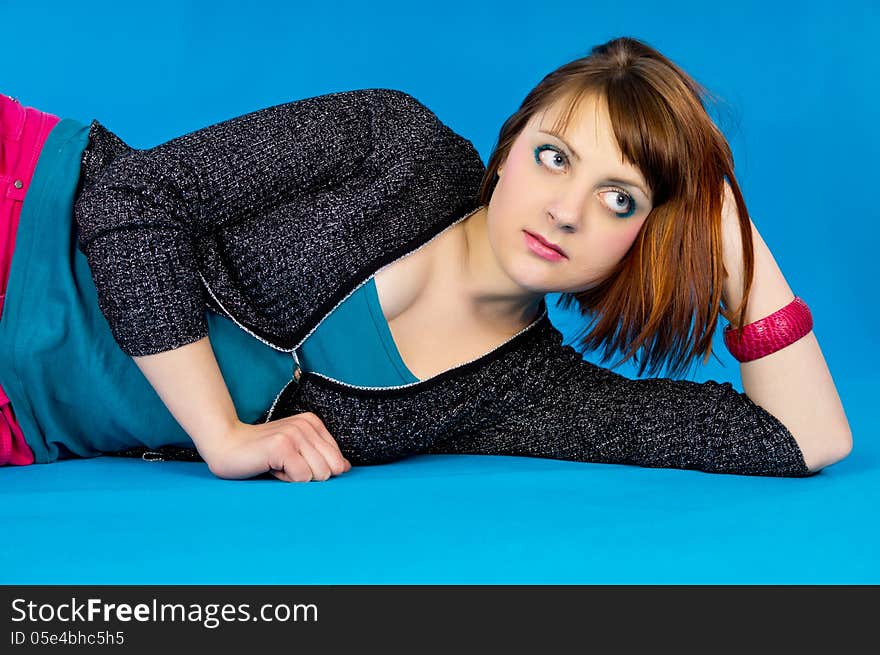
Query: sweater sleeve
{"type": "Point", "coordinates": [140, 218]}
{"type": "Point", "coordinates": [587, 413]}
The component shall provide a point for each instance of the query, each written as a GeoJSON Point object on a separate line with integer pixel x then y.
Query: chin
{"type": "Point", "coordinates": [534, 282]}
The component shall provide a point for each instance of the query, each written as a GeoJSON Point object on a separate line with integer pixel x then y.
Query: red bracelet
{"type": "Point", "coordinates": [771, 333]}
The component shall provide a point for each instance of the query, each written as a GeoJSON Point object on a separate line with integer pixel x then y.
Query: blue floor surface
{"type": "Point", "coordinates": [438, 519]}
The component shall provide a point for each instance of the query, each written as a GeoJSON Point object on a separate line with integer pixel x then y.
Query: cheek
{"type": "Point", "coordinates": [608, 249]}
{"type": "Point", "coordinates": [518, 166]}
{"type": "Point", "coordinates": [621, 240]}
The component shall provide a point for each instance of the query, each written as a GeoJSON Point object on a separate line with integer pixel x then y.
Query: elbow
{"type": "Point", "coordinates": [833, 451]}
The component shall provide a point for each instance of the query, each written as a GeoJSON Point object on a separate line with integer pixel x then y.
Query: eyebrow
{"type": "Point", "coordinates": [622, 182]}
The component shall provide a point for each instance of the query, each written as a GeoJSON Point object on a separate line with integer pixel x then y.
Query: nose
{"type": "Point", "coordinates": [567, 209]}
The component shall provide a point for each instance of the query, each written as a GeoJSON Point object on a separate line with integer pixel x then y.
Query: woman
{"type": "Point", "coordinates": [360, 216]}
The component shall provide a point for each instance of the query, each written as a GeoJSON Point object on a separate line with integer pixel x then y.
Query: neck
{"type": "Point", "coordinates": [490, 294]}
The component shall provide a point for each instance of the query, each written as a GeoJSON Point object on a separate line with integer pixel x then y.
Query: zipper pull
{"type": "Point", "coordinates": [297, 371]}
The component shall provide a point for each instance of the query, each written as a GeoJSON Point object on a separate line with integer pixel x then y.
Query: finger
{"type": "Point", "coordinates": [281, 475]}
{"type": "Point", "coordinates": [324, 434]}
{"type": "Point", "coordinates": [307, 444]}
{"type": "Point", "coordinates": [285, 461]}
{"type": "Point", "coordinates": [329, 450]}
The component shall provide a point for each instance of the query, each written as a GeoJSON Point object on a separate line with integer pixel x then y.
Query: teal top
{"type": "Point", "coordinates": [354, 344]}
{"type": "Point", "coordinates": [75, 393]}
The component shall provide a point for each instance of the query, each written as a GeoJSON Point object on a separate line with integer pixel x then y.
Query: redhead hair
{"type": "Point", "coordinates": [664, 296]}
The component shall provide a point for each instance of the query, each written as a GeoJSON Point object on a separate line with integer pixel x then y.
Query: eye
{"type": "Point", "coordinates": [617, 197]}
{"type": "Point", "coordinates": [554, 160]}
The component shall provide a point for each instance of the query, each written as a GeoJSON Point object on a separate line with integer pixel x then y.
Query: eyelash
{"type": "Point", "coordinates": [632, 201]}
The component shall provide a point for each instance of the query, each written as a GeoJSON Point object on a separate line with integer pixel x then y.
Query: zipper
{"type": "Point", "coordinates": [278, 397]}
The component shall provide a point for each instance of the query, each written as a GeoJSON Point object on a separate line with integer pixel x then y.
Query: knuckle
{"type": "Point", "coordinates": [278, 439]}
{"type": "Point", "coordinates": [290, 436]}
{"type": "Point", "coordinates": [315, 422]}
{"type": "Point", "coordinates": [311, 417]}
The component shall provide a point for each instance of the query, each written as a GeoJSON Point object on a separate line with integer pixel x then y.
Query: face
{"type": "Point", "coordinates": [576, 192]}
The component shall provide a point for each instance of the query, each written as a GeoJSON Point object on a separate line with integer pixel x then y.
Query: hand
{"type": "Point", "coordinates": [296, 448]}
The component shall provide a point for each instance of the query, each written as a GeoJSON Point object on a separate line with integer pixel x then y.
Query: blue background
{"type": "Point", "coordinates": [798, 88]}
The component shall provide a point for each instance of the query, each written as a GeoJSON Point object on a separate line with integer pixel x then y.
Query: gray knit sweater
{"type": "Point", "coordinates": [274, 217]}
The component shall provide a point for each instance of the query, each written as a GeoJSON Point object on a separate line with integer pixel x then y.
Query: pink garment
{"type": "Point", "coordinates": [23, 131]}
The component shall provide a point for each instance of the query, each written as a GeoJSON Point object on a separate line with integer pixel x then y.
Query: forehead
{"type": "Point", "coordinates": [585, 123]}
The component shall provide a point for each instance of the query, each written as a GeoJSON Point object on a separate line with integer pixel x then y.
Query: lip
{"type": "Point", "coordinates": [540, 246]}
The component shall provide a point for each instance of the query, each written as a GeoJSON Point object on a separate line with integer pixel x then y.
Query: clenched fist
{"type": "Point", "coordinates": [296, 448]}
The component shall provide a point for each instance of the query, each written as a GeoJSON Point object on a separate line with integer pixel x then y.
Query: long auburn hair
{"type": "Point", "coordinates": [664, 296]}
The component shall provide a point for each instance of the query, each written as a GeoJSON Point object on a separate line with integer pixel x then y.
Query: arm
{"type": "Point", "coordinates": [794, 384]}
{"type": "Point", "coordinates": [189, 382]}
{"type": "Point", "coordinates": [568, 408]}
{"type": "Point", "coordinates": [294, 449]}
